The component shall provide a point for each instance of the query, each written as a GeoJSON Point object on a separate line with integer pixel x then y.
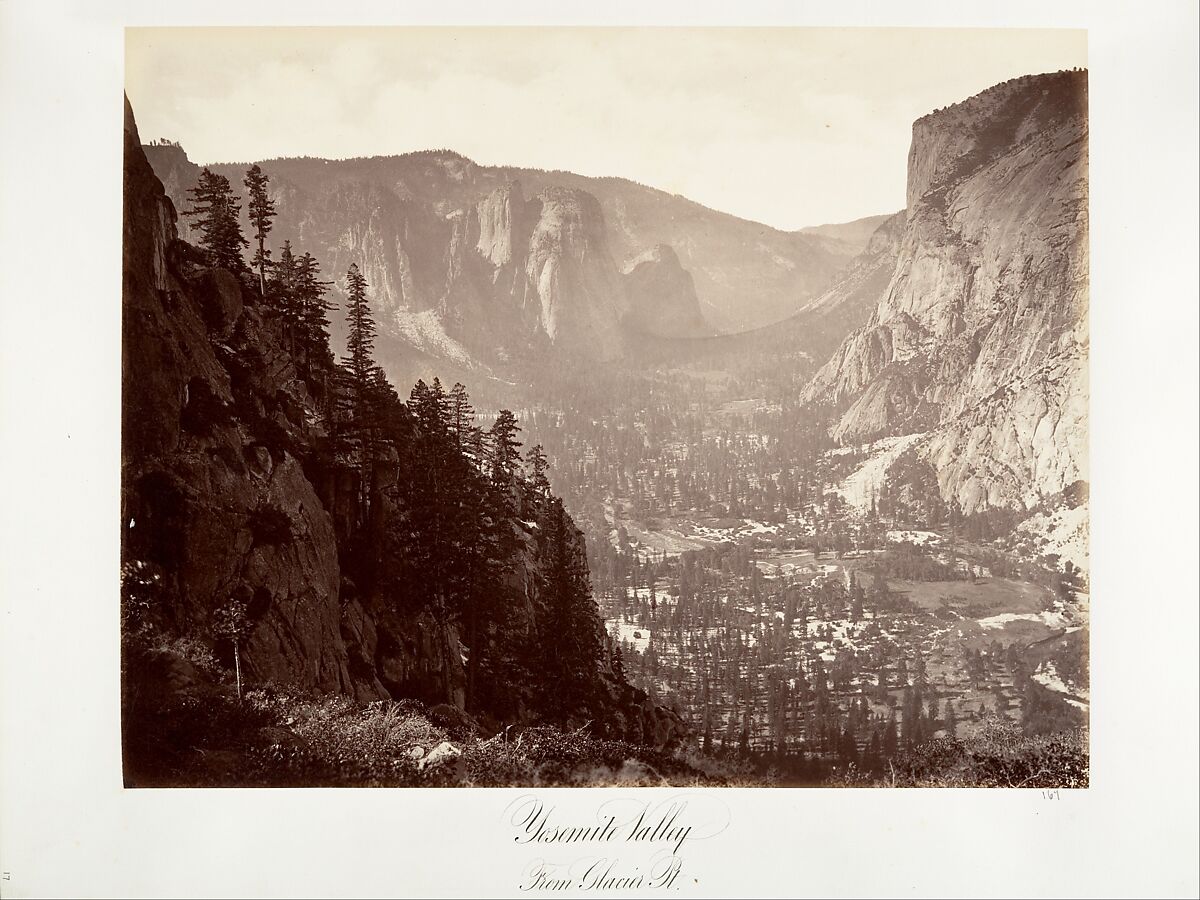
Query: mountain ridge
{"type": "Point", "coordinates": [730, 258]}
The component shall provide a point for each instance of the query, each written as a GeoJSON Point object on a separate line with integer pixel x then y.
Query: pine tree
{"type": "Point", "coordinates": [360, 342]}
{"type": "Point", "coordinates": [433, 411]}
{"type": "Point", "coordinates": [537, 466]}
{"type": "Point", "coordinates": [216, 209]}
{"type": "Point", "coordinates": [500, 659]}
{"type": "Point", "coordinates": [847, 745]}
{"type": "Point", "coordinates": [570, 629]}
{"type": "Point", "coordinates": [505, 447]}
{"type": "Point", "coordinates": [891, 741]}
{"type": "Point", "coordinates": [874, 752]}
{"type": "Point", "coordinates": [285, 293]}
{"type": "Point", "coordinates": [462, 421]}
{"type": "Point", "coordinates": [261, 211]}
{"type": "Point", "coordinates": [314, 324]}
{"type": "Point", "coordinates": [285, 275]}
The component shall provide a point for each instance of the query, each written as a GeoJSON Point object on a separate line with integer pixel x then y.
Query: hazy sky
{"type": "Point", "coordinates": [787, 126]}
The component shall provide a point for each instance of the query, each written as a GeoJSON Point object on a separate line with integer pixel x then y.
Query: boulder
{"type": "Point", "coordinates": [439, 755]}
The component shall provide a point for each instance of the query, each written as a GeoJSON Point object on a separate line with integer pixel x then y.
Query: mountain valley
{"type": "Point", "coordinates": [830, 485]}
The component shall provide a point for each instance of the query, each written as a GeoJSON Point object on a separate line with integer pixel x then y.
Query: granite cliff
{"type": "Point", "coordinates": [480, 265]}
{"type": "Point", "coordinates": [979, 337]}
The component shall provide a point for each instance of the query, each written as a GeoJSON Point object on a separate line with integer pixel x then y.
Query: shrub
{"type": "Point", "coordinates": [141, 587]}
{"type": "Point", "coordinates": [1001, 755]}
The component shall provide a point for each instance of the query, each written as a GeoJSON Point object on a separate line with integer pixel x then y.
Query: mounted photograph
{"type": "Point", "coordinates": [592, 406]}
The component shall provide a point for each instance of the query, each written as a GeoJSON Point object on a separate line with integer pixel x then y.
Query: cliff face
{"type": "Point", "coordinates": [980, 335]}
{"type": "Point", "coordinates": [572, 281]}
{"type": "Point", "coordinates": [662, 296]}
{"type": "Point", "coordinates": [230, 489]}
{"type": "Point", "coordinates": [201, 466]}
{"type": "Point", "coordinates": [435, 233]}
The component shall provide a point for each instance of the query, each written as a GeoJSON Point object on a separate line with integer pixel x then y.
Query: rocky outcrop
{"type": "Point", "coordinates": [868, 274]}
{"type": "Point", "coordinates": [639, 720]}
{"type": "Point", "coordinates": [662, 296]}
{"type": "Point", "coordinates": [218, 429]}
{"type": "Point", "coordinates": [212, 495]}
{"type": "Point", "coordinates": [504, 225]}
{"type": "Point", "coordinates": [980, 334]}
{"type": "Point", "coordinates": [1020, 443]}
{"type": "Point", "coordinates": [572, 282]}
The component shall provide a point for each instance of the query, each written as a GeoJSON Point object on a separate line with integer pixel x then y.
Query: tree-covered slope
{"type": "Point", "coordinates": [293, 518]}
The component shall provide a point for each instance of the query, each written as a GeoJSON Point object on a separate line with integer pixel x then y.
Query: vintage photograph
{"type": "Point", "coordinates": [605, 406]}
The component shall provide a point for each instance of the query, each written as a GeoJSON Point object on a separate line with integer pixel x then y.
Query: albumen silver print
{"type": "Point", "coordinates": [605, 406]}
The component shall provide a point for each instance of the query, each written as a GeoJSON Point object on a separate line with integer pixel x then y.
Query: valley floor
{"type": "Point", "coordinates": [804, 607]}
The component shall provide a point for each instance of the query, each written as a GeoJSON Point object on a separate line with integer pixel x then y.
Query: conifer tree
{"type": "Point", "coordinates": [284, 274]}
{"type": "Point", "coordinates": [618, 663]}
{"type": "Point", "coordinates": [438, 412]}
{"type": "Point", "coordinates": [216, 209]}
{"type": "Point", "coordinates": [360, 342]}
{"type": "Point", "coordinates": [570, 627]}
{"type": "Point", "coordinates": [874, 752]}
{"type": "Point", "coordinates": [313, 322]}
{"type": "Point", "coordinates": [262, 211]}
{"type": "Point", "coordinates": [505, 447]}
{"type": "Point", "coordinates": [285, 292]}
{"type": "Point", "coordinates": [231, 623]}
{"type": "Point", "coordinates": [537, 464]}
{"type": "Point", "coordinates": [462, 423]}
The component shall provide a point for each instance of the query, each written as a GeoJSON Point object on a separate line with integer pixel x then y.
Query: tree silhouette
{"type": "Point", "coordinates": [360, 342]}
{"type": "Point", "coordinates": [538, 466]}
{"type": "Point", "coordinates": [216, 209]}
{"type": "Point", "coordinates": [262, 211]}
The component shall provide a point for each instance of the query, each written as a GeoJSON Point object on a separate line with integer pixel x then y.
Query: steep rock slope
{"type": "Point", "coordinates": [980, 336]}
{"type": "Point", "coordinates": [662, 296]}
{"type": "Point", "coordinates": [852, 299]}
{"type": "Point", "coordinates": [214, 495]}
{"type": "Point", "coordinates": [194, 478]}
{"type": "Point", "coordinates": [231, 491]}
